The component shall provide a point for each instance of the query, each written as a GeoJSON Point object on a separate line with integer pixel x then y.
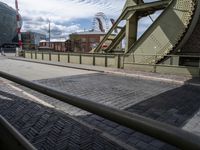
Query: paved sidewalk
{"type": "Point", "coordinates": [173, 79]}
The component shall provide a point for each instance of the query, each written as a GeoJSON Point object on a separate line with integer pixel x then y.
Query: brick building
{"type": "Point", "coordinates": [78, 42]}
{"type": "Point", "coordinates": [85, 41]}
{"type": "Point", "coordinates": [59, 46]}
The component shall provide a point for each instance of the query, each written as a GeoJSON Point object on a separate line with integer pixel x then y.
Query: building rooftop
{"type": "Point", "coordinates": [90, 33]}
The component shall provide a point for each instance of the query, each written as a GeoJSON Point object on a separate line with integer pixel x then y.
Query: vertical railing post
{"type": "Point", "coordinates": [118, 61]}
{"type": "Point", "coordinates": [94, 60]}
{"type": "Point", "coordinates": [68, 58]}
{"type": "Point", "coordinates": [106, 61]}
{"type": "Point", "coordinates": [80, 58]}
{"type": "Point", "coordinates": [58, 57]}
{"type": "Point", "coordinates": [42, 55]}
{"type": "Point", "coordinates": [50, 56]}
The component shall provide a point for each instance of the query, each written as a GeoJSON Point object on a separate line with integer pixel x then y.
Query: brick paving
{"type": "Point", "coordinates": [48, 129]}
{"type": "Point", "coordinates": [113, 89]}
{"type": "Point", "coordinates": [174, 107]}
{"type": "Point", "coordinates": [174, 104]}
{"type": "Point", "coordinates": [116, 91]}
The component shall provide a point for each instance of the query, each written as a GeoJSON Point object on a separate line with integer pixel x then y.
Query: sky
{"type": "Point", "coordinates": [66, 16]}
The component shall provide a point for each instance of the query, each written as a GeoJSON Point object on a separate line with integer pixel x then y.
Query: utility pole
{"type": "Point", "coordinates": [49, 33]}
{"type": "Point", "coordinates": [18, 25]}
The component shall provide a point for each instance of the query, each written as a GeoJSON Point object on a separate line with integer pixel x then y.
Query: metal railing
{"type": "Point", "coordinates": [179, 64]}
{"type": "Point", "coordinates": [77, 57]}
{"type": "Point", "coordinates": [170, 134]}
{"type": "Point", "coordinates": [11, 139]}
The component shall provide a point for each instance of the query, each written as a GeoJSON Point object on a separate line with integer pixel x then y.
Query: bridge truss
{"type": "Point", "coordinates": [167, 34]}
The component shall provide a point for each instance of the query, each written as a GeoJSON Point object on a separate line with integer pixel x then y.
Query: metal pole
{"type": "Point", "coordinates": [16, 140]}
{"type": "Point", "coordinates": [49, 33]}
{"type": "Point", "coordinates": [170, 134]}
{"type": "Point", "coordinates": [18, 25]}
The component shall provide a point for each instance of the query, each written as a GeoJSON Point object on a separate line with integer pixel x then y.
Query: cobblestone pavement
{"type": "Point", "coordinates": [115, 91]}
{"type": "Point", "coordinates": [48, 129]}
{"type": "Point", "coordinates": [168, 103]}
{"type": "Point", "coordinates": [173, 104]}
{"type": "Point", "coordinates": [119, 92]}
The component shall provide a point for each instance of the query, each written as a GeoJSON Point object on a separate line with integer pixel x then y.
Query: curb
{"type": "Point", "coordinates": [138, 76]}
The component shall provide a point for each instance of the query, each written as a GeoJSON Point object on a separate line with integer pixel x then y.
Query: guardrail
{"type": "Point", "coordinates": [170, 134]}
{"type": "Point", "coordinates": [11, 139]}
{"type": "Point", "coordinates": [105, 60]}
{"type": "Point", "coordinates": [188, 64]}
{"type": "Point", "coordinates": [174, 65]}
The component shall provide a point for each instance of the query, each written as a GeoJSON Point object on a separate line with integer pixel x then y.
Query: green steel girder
{"type": "Point", "coordinates": [117, 40]}
{"type": "Point", "coordinates": [166, 33]}
{"type": "Point", "coordinates": [133, 8]}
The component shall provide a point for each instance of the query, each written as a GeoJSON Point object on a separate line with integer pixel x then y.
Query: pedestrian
{"type": "Point", "coordinates": [2, 51]}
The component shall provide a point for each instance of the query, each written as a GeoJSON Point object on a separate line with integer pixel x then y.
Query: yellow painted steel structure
{"type": "Point", "coordinates": [167, 34]}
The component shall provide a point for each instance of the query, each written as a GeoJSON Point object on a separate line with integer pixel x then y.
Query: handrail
{"type": "Point", "coordinates": [170, 134]}
{"type": "Point", "coordinates": [16, 140]}
{"type": "Point", "coordinates": [113, 54]}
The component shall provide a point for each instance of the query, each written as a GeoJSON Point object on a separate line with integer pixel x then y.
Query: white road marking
{"type": "Point", "coordinates": [32, 96]}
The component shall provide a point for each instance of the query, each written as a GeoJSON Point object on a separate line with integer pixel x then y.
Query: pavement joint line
{"type": "Point", "coordinates": [31, 96]}
{"type": "Point", "coordinates": [139, 76]}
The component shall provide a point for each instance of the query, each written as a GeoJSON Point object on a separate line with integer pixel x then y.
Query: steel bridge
{"type": "Point", "coordinates": [174, 31]}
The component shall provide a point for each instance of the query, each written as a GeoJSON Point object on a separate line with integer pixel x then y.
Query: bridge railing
{"type": "Point", "coordinates": [76, 58]}
{"type": "Point", "coordinates": [188, 64]}
{"type": "Point", "coordinates": [175, 64]}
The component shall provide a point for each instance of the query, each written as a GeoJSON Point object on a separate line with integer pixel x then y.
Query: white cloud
{"type": "Point", "coordinates": [62, 13]}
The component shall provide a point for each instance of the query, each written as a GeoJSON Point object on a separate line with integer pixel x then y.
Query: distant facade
{"type": "Point", "coordinates": [59, 46]}
{"type": "Point", "coordinates": [85, 41]}
{"type": "Point", "coordinates": [82, 42]}
{"type": "Point", "coordinates": [31, 40]}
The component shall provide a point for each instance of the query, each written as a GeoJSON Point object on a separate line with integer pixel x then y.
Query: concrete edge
{"type": "Point", "coordinates": [53, 64]}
